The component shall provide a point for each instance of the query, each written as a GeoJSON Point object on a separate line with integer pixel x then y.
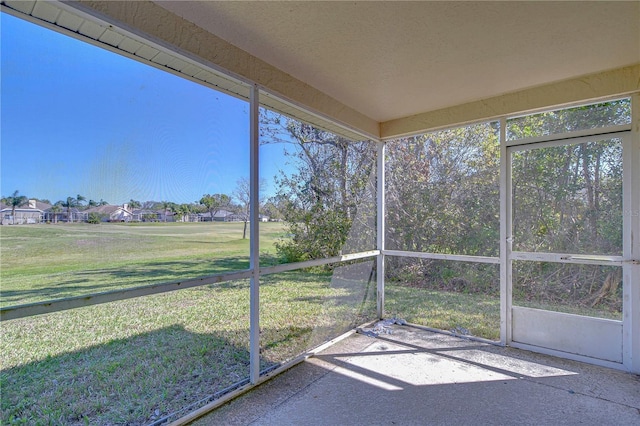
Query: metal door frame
{"type": "Point", "coordinates": [625, 333]}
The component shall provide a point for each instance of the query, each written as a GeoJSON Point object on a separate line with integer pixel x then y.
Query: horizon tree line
{"type": "Point", "coordinates": [211, 203]}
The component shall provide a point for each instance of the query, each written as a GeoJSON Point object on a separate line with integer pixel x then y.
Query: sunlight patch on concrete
{"type": "Point", "coordinates": [397, 366]}
{"type": "Point", "coordinates": [517, 366]}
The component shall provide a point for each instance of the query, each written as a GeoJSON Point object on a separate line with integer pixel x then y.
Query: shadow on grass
{"type": "Point", "coordinates": [138, 380]}
{"type": "Point", "coordinates": [352, 284]}
{"type": "Point", "coordinates": [143, 378]}
{"type": "Point", "coordinates": [85, 282]}
{"type": "Point", "coordinates": [127, 276]}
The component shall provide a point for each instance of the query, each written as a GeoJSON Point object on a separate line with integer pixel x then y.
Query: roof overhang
{"type": "Point", "coordinates": [375, 69]}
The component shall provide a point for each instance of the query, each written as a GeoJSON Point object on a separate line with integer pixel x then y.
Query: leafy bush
{"type": "Point", "coordinates": [95, 218]}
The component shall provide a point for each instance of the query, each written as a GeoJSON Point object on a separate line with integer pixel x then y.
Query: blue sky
{"type": "Point", "coordinates": [77, 119]}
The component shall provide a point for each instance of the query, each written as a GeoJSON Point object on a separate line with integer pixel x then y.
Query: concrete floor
{"type": "Point", "coordinates": [416, 377]}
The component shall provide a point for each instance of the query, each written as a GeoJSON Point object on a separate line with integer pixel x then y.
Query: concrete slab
{"type": "Point", "coordinates": [416, 377]}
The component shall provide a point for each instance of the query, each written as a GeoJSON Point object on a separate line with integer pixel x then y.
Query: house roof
{"type": "Point", "coordinates": [19, 209]}
{"type": "Point", "coordinates": [42, 206]}
{"type": "Point", "coordinates": [39, 207]}
{"type": "Point", "coordinates": [106, 209]}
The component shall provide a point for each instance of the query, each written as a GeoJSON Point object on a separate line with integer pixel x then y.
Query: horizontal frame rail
{"type": "Point", "coordinates": [439, 256]}
{"type": "Point", "coordinates": [50, 306]}
{"type": "Point", "coordinates": [318, 262]}
{"type": "Point", "coordinates": [583, 259]}
{"type": "Point", "coordinates": [587, 133]}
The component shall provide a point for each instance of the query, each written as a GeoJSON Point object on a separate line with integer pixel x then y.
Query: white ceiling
{"type": "Point", "coordinates": [396, 59]}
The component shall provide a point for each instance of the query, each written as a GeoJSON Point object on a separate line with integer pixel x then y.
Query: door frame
{"type": "Point", "coordinates": [515, 321]}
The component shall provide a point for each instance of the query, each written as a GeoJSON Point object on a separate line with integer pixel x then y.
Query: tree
{"type": "Point", "coordinates": [55, 209]}
{"type": "Point", "coordinates": [329, 195]}
{"type": "Point", "coordinates": [79, 200]}
{"type": "Point", "coordinates": [272, 209]}
{"type": "Point", "coordinates": [95, 218]}
{"type": "Point", "coordinates": [183, 211]}
{"type": "Point", "coordinates": [15, 200]}
{"type": "Point", "coordinates": [242, 194]}
{"type": "Point", "coordinates": [215, 203]}
{"type": "Point", "coordinates": [442, 196]}
{"type": "Point", "coordinates": [69, 203]}
{"type": "Point", "coordinates": [133, 204]}
{"type": "Point", "coordinates": [94, 203]}
{"type": "Point", "coordinates": [442, 192]}
{"type": "Point", "coordinates": [167, 206]}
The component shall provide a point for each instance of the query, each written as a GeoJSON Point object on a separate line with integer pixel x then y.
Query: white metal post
{"type": "Point", "coordinates": [631, 243]}
{"type": "Point", "coordinates": [505, 236]}
{"type": "Point", "coordinates": [380, 214]}
{"type": "Point", "coordinates": [254, 254]}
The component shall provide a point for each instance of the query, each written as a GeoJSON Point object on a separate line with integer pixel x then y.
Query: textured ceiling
{"type": "Point", "coordinates": [396, 59]}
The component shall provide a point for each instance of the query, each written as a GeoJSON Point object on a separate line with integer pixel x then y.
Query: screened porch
{"type": "Point", "coordinates": [447, 224]}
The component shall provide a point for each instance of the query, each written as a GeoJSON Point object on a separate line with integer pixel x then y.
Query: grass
{"type": "Point", "coordinates": [139, 360]}
{"type": "Point", "coordinates": [42, 262]}
{"type": "Point", "coordinates": [477, 313]}
{"type": "Point", "coordinates": [135, 361]}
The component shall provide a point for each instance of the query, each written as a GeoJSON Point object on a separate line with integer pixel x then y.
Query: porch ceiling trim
{"type": "Point", "coordinates": [150, 21]}
{"type": "Point", "coordinates": [162, 26]}
{"type": "Point", "coordinates": [608, 84]}
{"type": "Point", "coordinates": [146, 20]}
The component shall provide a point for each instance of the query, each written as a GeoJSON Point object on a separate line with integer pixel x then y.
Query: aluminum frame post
{"type": "Point", "coordinates": [506, 237]}
{"type": "Point", "coordinates": [380, 216]}
{"type": "Point", "coordinates": [254, 240]}
{"type": "Point", "coordinates": [631, 243]}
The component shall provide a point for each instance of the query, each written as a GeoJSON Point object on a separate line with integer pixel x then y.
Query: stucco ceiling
{"type": "Point", "coordinates": [396, 59]}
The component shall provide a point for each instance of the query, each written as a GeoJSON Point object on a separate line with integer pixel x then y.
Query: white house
{"type": "Point", "coordinates": [31, 213]}
{"type": "Point", "coordinates": [110, 213]}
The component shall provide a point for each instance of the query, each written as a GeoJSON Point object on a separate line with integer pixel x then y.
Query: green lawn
{"type": "Point", "coordinates": [41, 262]}
{"type": "Point", "coordinates": [135, 361]}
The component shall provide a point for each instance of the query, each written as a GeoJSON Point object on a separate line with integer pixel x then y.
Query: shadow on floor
{"type": "Point", "coordinates": [416, 377]}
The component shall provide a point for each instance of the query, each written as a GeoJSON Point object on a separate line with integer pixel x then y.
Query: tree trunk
{"type": "Point", "coordinates": [591, 209]}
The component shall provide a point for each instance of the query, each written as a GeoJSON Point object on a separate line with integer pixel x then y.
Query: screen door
{"type": "Point", "coordinates": [566, 256]}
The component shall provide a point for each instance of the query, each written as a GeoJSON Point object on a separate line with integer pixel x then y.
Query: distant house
{"type": "Point", "coordinates": [110, 213]}
{"type": "Point", "coordinates": [145, 215]}
{"type": "Point", "coordinates": [165, 215]}
{"type": "Point", "coordinates": [148, 215]}
{"type": "Point", "coordinates": [220, 216]}
{"type": "Point", "coordinates": [30, 213]}
{"type": "Point", "coordinates": [76, 215]}
{"type": "Point", "coordinates": [223, 216]}
{"type": "Point", "coordinates": [189, 217]}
